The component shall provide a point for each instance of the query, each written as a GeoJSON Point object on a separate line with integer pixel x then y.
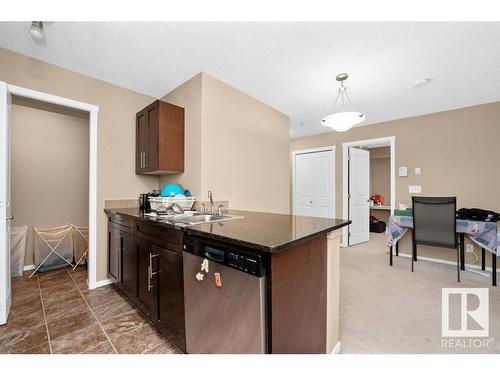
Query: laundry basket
{"type": "Point", "coordinates": [80, 245]}
{"type": "Point", "coordinates": [18, 237]}
{"type": "Point", "coordinates": [53, 248]}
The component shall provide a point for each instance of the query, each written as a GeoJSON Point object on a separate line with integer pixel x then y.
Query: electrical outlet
{"type": "Point", "coordinates": [469, 248]}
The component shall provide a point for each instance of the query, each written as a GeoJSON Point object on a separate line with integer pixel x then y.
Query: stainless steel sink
{"type": "Point", "coordinates": [198, 218]}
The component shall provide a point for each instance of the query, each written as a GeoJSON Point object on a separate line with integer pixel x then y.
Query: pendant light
{"type": "Point", "coordinates": [36, 31]}
{"type": "Point", "coordinates": [346, 118]}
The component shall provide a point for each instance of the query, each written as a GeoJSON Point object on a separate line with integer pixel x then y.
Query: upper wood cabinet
{"type": "Point", "coordinates": [160, 139]}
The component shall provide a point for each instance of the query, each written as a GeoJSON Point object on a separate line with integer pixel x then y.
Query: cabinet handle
{"type": "Point", "coordinates": [150, 271]}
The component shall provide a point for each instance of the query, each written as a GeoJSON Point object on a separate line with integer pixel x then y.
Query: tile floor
{"type": "Point", "coordinates": [55, 313]}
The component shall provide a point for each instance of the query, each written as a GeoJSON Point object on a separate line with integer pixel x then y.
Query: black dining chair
{"type": "Point", "coordinates": [435, 224]}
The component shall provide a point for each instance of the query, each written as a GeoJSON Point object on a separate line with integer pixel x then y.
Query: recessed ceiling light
{"type": "Point", "coordinates": [422, 82]}
{"type": "Point", "coordinates": [36, 30]}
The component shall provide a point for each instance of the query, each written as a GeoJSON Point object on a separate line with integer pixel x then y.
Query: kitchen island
{"type": "Point", "coordinates": [299, 258]}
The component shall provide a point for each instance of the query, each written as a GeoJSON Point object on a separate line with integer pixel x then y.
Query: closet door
{"type": "Point", "coordinates": [323, 184]}
{"type": "Point", "coordinates": [314, 183]}
{"type": "Point", "coordinates": [304, 184]}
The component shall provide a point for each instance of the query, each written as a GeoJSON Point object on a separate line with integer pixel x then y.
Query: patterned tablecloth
{"type": "Point", "coordinates": [485, 235]}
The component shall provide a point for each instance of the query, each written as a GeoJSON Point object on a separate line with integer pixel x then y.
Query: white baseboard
{"type": "Point", "coordinates": [98, 284]}
{"type": "Point", "coordinates": [337, 349]}
{"type": "Point", "coordinates": [449, 262]}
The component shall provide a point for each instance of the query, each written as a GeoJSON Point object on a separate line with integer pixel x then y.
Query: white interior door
{"type": "Point", "coordinates": [5, 213]}
{"type": "Point", "coordinates": [314, 184]}
{"type": "Point", "coordinates": [359, 190]}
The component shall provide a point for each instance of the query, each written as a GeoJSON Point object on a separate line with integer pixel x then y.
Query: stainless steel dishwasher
{"type": "Point", "coordinates": [225, 306]}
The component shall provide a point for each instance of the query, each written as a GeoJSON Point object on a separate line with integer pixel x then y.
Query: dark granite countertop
{"type": "Point", "coordinates": [262, 231]}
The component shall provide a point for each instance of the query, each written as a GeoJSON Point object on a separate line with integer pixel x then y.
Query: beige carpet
{"type": "Point", "coordinates": [392, 310]}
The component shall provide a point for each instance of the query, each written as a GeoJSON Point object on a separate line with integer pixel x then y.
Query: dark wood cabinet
{"type": "Point", "coordinates": [129, 264]}
{"type": "Point", "coordinates": [171, 295]}
{"type": "Point", "coordinates": [146, 275]}
{"type": "Point", "coordinates": [146, 262]}
{"type": "Point", "coordinates": [122, 256]}
{"type": "Point", "coordinates": [114, 252]}
{"type": "Point", "coordinates": [160, 139]}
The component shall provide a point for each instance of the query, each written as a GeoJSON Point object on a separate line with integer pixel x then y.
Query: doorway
{"type": "Point", "coordinates": [313, 182]}
{"type": "Point", "coordinates": [357, 192]}
{"type": "Point", "coordinates": [6, 93]}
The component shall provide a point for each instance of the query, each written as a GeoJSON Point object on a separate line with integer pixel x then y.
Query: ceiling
{"type": "Point", "coordinates": [289, 66]}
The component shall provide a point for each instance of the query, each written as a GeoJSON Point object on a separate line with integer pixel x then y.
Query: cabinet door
{"type": "Point", "coordinates": [114, 250]}
{"type": "Point", "coordinates": [142, 128]}
{"type": "Point", "coordinates": [151, 141]}
{"type": "Point", "coordinates": [171, 291]}
{"type": "Point", "coordinates": [146, 273]}
{"type": "Point", "coordinates": [129, 264]}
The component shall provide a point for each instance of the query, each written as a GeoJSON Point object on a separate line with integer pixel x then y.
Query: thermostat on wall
{"type": "Point", "coordinates": [415, 189]}
{"type": "Point", "coordinates": [403, 171]}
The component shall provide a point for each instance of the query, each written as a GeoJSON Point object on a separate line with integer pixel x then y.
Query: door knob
{"type": "Point", "coordinates": [10, 217]}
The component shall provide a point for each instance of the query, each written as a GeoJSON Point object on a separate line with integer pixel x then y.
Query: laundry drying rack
{"type": "Point", "coordinates": [59, 247]}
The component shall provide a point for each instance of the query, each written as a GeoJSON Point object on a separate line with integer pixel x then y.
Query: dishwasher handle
{"type": "Point", "coordinates": [214, 254]}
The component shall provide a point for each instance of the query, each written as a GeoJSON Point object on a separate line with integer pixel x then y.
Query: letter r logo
{"type": "Point", "coordinates": [480, 314]}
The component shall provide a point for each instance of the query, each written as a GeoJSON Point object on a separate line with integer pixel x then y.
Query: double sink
{"type": "Point", "coordinates": [194, 217]}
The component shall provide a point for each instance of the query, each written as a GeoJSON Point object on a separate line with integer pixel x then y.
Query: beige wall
{"type": "Point", "coordinates": [457, 151]}
{"type": "Point", "coordinates": [49, 168]}
{"type": "Point", "coordinates": [188, 96]}
{"type": "Point", "coordinates": [241, 150]}
{"type": "Point", "coordinates": [116, 176]}
{"type": "Point", "coordinates": [380, 173]}
{"type": "Point", "coordinates": [245, 152]}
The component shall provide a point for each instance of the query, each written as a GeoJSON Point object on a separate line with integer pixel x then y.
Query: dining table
{"type": "Point", "coordinates": [483, 233]}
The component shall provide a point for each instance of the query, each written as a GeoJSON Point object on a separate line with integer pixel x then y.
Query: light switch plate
{"type": "Point", "coordinates": [415, 189]}
{"type": "Point", "coordinates": [403, 171]}
{"type": "Point", "coordinates": [418, 171]}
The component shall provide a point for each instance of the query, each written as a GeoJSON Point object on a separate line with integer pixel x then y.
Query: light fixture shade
{"type": "Point", "coordinates": [343, 121]}
{"type": "Point", "coordinates": [36, 30]}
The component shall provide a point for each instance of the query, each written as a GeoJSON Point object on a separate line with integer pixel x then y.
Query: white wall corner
{"type": "Point", "coordinates": [101, 283]}
{"type": "Point", "coordinates": [337, 349]}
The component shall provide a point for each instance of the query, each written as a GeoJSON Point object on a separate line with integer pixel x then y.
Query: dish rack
{"type": "Point", "coordinates": [185, 202]}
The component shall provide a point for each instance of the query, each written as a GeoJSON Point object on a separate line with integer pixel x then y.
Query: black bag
{"type": "Point", "coordinates": [377, 227]}
{"type": "Point", "coordinates": [477, 214]}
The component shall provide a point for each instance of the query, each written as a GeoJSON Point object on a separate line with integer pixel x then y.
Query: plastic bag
{"type": "Point", "coordinates": [18, 236]}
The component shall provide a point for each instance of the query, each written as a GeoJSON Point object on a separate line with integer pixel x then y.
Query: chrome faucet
{"type": "Point", "coordinates": [211, 201]}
